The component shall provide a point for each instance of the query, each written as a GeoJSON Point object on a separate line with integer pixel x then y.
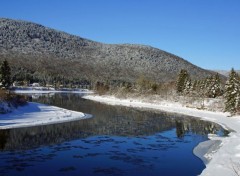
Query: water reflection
{"type": "Point", "coordinates": [107, 120]}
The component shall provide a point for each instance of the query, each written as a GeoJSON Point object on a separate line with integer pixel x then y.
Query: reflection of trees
{"type": "Point", "coordinates": [196, 126]}
{"type": "Point", "coordinates": [4, 135]}
{"type": "Point", "coordinates": [108, 120]}
{"type": "Point", "coordinates": [180, 131]}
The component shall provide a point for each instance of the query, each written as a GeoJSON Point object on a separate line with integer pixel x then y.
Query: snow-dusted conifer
{"type": "Point", "coordinates": [232, 93]}
{"type": "Point", "coordinates": [214, 86]}
{"type": "Point", "coordinates": [187, 86]}
{"type": "Point", "coordinates": [181, 80]}
{"type": "Point", "coordinates": [202, 88]}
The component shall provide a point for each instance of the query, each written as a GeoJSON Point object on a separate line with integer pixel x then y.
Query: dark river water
{"type": "Point", "coordinates": [116, 141]}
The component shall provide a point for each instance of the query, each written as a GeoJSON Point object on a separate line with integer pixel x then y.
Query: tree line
{"type": "Point", "coordinates": [211, 87]}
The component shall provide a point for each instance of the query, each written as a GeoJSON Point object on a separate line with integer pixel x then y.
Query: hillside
{"type": "Point", "coordinates": [40, 53]}
{"type": "Point", "coordinates": [225, 72]}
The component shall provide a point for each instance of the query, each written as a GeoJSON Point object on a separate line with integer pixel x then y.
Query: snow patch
{"type": "Point", "coordinates": [34, 114]}
{"type": "Point", "coordinates": [205, 150]}
{"type": "Point", "coordinates": [47, 91]}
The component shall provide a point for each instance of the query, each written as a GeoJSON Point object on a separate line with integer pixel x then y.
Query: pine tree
{"type": "Point", "coordinates": [195, 85]}
{"type": "Point", "coordinates": [181, 81]}
{"type": "Point", "coordinates": [202, 88]}
{"type": "Point", "coordinates": [214, 86]}
{"type": "Point", "coordinates": [5, 75]}
{"type": "Point", "coordinates": [217, 89]}
{"type": "Point", "coordinates": [232, 93]}
{"type": "Point", "coordinates": [187, 86]}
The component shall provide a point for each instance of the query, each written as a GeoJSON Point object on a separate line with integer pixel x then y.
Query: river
{"type": "Point", "coordinates": [116, 141]}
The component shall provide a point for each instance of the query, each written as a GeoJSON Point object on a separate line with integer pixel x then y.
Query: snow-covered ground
{"type": "Point", "coordinates": [47, 91]}
{"type": "Point", "coordinates": [34, 114]}
{"type": "Point", "coordinates": [222, 159]}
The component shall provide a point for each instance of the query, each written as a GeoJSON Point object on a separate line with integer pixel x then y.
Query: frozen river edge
{"type": "Point", "coordinates": [35, 114]}
{"type": "Point", "coordinates": [221, 155]}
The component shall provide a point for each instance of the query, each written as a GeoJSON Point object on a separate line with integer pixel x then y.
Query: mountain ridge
{"type": "Point", "coordinates": [59, 54]}
{"type": "Point", "coordinates": [225, 72]}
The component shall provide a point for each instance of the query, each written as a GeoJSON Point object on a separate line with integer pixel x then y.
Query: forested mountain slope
{"type": "Point", "coordinates": [39, 53]}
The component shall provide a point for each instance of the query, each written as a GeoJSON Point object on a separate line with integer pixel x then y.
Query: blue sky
{"type": "Point", "coordinates": [204, 32]}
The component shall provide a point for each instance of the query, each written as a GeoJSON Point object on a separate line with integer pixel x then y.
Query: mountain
{"type": "Point", "coordinates": [40, 53]}
{"type": "Point", "coordinates": [225, 72]}
{"type": "Point", "coordinates": [222, 72]}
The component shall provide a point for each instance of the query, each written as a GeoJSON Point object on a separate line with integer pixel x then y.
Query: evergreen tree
{"type": "Point", "coordinates": [216, 86]}
{"type": "Point", "coordinates": [5, 74]}
{"type": "Point", "coordinates": [207, 83]}
{"type": "Point", "coordinates": [187, 86]}
{"type": "Point", "coordinates": [202, 88]}
{"type": "Point", "coordinates": [181, 81]}
{"type": "Point", "coordinates": [232, 93]}
{"type": "Point", "coordinates": [195, 85]}
{"type": "Point", "coordinates": [213, 86]}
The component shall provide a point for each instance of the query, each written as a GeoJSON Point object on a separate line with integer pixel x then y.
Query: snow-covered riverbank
{"type": "Point", "coordinates": [45, 91]}
{"type": "Point", "coordinates": [225, 160]}
{"type": "Point", "coordinates": [34, 114]}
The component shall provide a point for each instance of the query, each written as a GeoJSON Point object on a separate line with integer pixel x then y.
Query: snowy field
{"type": "Point", "coordinates": [34, 114]}
{"type": "Point", "coordinates": [221, 155]}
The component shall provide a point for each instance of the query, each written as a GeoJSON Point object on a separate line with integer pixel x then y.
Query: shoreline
{"type": "Point", "coordinates": [51, 91]}
{"type": "Point", "coordinates": [37, 114]}
{"type": "Point", "coordinates": [221, 155]}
